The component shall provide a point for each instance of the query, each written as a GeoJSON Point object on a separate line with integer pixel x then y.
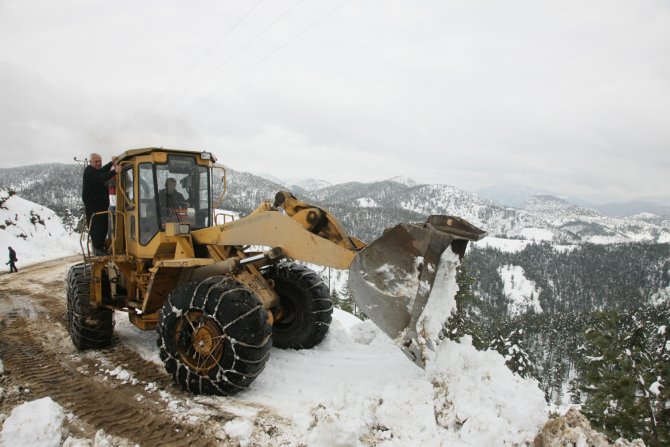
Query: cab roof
{"type": "Point", "coordinates": [130, 153]}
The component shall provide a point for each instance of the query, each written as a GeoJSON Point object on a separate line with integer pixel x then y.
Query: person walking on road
{"type": "Point", "coordinates": [12, 261]}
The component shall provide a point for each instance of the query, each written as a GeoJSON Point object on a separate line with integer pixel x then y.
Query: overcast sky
{"type": "Point", "coordinates": [567, 96]}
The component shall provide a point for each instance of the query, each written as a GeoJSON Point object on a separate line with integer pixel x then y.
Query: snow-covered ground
{"type": "Point", "coordinates": [516, 245]}
{"type": "Point", "coordinates": [355, 388]}
{"type": "Point", "coordinates": [36, 233]}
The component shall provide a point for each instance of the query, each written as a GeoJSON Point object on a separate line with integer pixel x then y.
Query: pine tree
{"type": "Point", "coordinates": [625, 364]}
{"type": "Point", "coordinates": [463, 321]}
{"type": "Point", "coordinates": [516, 356]}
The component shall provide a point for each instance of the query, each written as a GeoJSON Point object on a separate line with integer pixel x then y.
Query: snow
{"type": "Point", "coordinates": [355, 388]}
{"type": "Point", "coordinates": [517, 245]}
{"type": "Point", "coordinates": [404, 180]}
{"type": "Point", "coordinates": [521, 292]}
{"type": "Point", "coordinates": [366, 202]}
{"type": "Point", "coordinates": [38, 423]}
{"type": "Point", "coordinates": [41, 240]}
{"type": "Point", "coordinates": [537, 234]}
{"type": "Point", "coordinates": [440, 305]}
{"type": "Point", "coordinates": [348, 390]}
{"type": "Point", "coordinates": [357, 385]}
{"type": "Point", "coordinates": [504, 245]}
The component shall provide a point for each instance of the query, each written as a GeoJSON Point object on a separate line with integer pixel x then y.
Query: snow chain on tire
{"type": "Point", "coordinates": [89, 326]}
{"type": "Point", "coordinates": [214, 336]}
{"type": "Point", "coordinates": [306, 307]}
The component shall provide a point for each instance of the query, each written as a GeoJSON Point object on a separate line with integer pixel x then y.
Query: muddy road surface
{"type": "Point", "coordinates": [131, 400]}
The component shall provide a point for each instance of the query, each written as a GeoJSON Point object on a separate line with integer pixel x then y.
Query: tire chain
{"type": "Point", "coordinates": [222, 383]}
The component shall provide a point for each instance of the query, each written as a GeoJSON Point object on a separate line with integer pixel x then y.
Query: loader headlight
{"type": "Point", "coordinates": [206, 155]}
{"type": "Point", "coordinates": [177, 229]}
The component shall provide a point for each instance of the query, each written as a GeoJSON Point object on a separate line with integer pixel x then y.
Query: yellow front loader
{"type": "Point", "coordinates": [221, 292]}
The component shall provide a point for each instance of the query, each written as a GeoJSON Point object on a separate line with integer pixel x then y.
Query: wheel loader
{"type": "Point", "coordinates": [221, 292]}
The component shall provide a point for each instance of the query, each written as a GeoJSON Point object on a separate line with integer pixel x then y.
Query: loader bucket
{"type": "Point", "coordinates": [392, 278]}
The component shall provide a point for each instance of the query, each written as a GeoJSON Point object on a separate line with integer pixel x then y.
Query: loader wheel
{"type": "Point", "coordinates": [214, 336]}
{"type": "Point", "coordinates": [303, 317]}
{"type": "Point", "coordinates": [89, 326]}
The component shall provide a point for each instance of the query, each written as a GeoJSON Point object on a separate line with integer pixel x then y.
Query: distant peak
{"type": "Point", "coordinates": [404, 180]}
{"type": "Point", "coordinates": [309, 184]}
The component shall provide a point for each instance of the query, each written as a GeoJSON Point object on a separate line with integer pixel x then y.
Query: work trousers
{"type": "Point", "coordinates": [98, 229]}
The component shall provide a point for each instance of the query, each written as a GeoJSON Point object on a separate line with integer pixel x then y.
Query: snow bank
{"type": "Point", "coordinates": [357, 388]}
{"type": "Point", "coordinates": [36, 233]}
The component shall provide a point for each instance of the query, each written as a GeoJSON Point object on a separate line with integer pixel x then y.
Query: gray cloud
{"type": "Point", "coordinates": [567, 96]}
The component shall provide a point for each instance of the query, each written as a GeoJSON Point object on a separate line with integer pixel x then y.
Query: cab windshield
{"type": "Point", "coordinates": [177, 191]}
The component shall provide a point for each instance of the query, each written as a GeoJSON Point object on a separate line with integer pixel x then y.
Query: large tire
{"type": "Point", "coordinates": [214, 336]}
{"type": "Point", "coordinates": [89, 326]}
{"type": "Point", "coordinates": [305, 312]}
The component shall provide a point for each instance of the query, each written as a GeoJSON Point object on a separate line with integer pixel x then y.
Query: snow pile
{"type": "Point", "coordinates": [357, 388]}
{"type": "Point", "coordinates": [440, 305]}
{"type": "Point", "coordinates": [36, 233]}
{"type": "Point", "coordinates": [480, 401]}
{"type": "Point", "coordinates": [37, 424]}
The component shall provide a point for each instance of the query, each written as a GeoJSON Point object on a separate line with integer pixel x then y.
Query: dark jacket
{"type": "Point", "coordinates": [94, 192]}
{"type": "Point", "coordinates": [12, 255]}
{"type": "Point", "coordinates": [170, 202]}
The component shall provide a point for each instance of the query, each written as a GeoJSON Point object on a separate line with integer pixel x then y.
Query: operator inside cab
{"type": "Point", "coordinates": [172, 203]}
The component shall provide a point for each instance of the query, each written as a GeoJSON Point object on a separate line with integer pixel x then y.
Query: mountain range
{"type": "Point", "coordinates": [365, 209]}
{"type": "Point", "coordinates": [516, 195]}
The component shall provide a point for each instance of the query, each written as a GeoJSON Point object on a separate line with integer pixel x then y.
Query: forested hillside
{"type": "Point", "coordinates": [601, 338]}
{"type": "Point", "coordinates": [587, 277]}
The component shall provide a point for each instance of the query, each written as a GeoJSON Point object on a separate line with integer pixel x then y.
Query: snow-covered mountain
{"type": "Point", "coordinates": [633, 208]}
{"type": "Point", "coordinates": [308, 184]}
{"type": "Point", "coordinates": [404, 180]}
{"type": "Point", "coordinates": [302, 184]}
{"type": "Point", "coordinates": [366, 209]}
{"type": "Point", "coordinates": [511, 195]}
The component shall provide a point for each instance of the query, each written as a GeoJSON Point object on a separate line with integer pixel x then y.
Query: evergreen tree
{"type": "Point", "coordinates": [463, 320]}
{"type": "Point", "coordinates": [516, 356]}
{"type": "Point", "coordinates": [625, 363]}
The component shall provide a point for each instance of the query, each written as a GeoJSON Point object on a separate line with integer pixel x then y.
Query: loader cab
{"type": "Point", "coordinates": [159, 187]}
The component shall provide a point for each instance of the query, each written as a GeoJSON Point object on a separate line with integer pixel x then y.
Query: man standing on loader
{"type": "Point", "coordinates": [95, 196]}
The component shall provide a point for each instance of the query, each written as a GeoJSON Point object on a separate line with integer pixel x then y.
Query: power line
{"type": "Point", "coordinates": [221, 65]}
{"type": "Point", "coordinates": [265, 57]}
{"type": "Point", "coordinates": [197, 61]}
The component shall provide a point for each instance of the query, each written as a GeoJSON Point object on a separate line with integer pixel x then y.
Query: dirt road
{"type": "Point", "coordinates": [114, 390]}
